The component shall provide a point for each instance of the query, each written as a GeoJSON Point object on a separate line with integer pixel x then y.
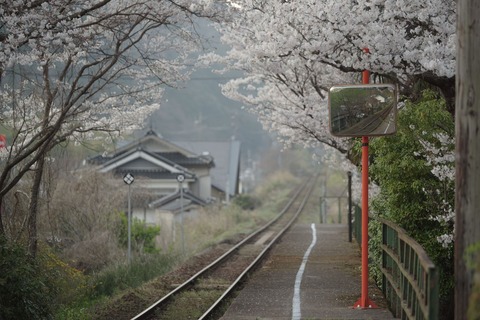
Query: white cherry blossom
{"type": "Point", "coordinates": [69, 68]}
{"type": "Point", "coordinates": [291, 52]}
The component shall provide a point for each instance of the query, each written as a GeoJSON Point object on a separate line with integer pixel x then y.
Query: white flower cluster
{"type": "Point", "coordinates": [291, 52]}
{"type": "Point", "coordinates": [446, 240]}
{"type": "Point", "coordinates": [4, 152]}
{"type": "Point", "coordinates": [441, 156]}
{"type": "Point", "coordinates": [84, 65]}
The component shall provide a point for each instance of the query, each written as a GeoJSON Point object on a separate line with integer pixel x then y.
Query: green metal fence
{"type": "Point", "coordinates": [410, 279]}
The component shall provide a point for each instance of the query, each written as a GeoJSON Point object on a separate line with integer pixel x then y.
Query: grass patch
{"type": "Point", "coordinates": [114, 287]}
{"type": "Point", "coordinates": [114, 280]}
{"type": "Point", "coordinates": [215, 224]}
{"type": "Point", "coordinates": [191, 305]}
{"type": "Point", "coordinates": [123, 276]}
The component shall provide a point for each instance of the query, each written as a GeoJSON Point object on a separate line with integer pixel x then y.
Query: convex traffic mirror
{"type": "Point", "coordinates": [363, 110]}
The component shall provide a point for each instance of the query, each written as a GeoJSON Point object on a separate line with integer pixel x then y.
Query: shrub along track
{"type": "Point", "coordinates": [200, 287]}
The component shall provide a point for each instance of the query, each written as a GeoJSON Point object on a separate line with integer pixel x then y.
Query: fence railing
{"type": "Point", "coordinates": [410, 279]}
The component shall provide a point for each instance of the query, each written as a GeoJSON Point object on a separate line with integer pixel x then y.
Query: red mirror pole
{"type": "Point", "coordinates": [364, 301]}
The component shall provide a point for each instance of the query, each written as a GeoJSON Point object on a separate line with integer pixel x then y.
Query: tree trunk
{"type": "Point", "coordinates": [467, 199]}
{"type": "Point", "coordinates": [33, 208]}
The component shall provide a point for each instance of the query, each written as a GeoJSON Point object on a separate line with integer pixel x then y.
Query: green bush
{"type": "Point", "coordinates": [122, 276]}
{"type": "Point", "coordinates": [246, 202]}
{"type": "Point", "coordinates": [25, 290]}
{"type": "Point", "coordinates": [112, 280]}
{"type": "Point", "coordinates": [411, 194]}
{"type": "Point", "coordinates": [143, 236]}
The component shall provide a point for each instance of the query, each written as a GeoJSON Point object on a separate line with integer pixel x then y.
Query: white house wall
{"type": "Point", "coordinates": [205, 187]}
{"type": "Point", "coordinates": [170, 231]}
{"type": "Point", "coordinates": [164, 219]}
{"type": "Point", "coordinates": [167, 185]}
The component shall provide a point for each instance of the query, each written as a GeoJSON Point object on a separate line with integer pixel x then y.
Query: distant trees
{"type": "Point", "coordinates": [82, 219]}
{"type": "Point", "coordinates": [71, 68]}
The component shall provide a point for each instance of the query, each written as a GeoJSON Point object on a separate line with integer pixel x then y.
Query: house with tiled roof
{"type": "Point", "coordinates": [155, 163]}
{"type": "Point", "coordinates": [226, 172]}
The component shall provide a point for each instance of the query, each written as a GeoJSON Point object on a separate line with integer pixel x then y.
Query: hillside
{"type": "Point", "coordinates": [198, 110]}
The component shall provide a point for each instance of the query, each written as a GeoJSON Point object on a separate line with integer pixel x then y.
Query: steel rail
{"type": "Point", "coordinates": [260, 256]}
{"type": "Point", "coordinates": [148, 311]}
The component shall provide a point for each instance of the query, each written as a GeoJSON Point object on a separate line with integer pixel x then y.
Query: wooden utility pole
{"type": "Point", "coordinates": [467, 198]}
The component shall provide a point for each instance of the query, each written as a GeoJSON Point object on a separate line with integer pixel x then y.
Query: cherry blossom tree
{"type": "Point", "coordinates": [72, 68]}
{"type": "Point", "coordinates": [291, 52]}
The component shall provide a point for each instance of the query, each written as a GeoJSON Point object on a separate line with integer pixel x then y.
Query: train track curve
{"type": "Point", "coordinates": [240, 261]}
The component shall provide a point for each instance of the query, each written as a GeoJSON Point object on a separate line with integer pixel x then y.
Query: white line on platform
{"type": "Point", "coordinates": [296, 312]}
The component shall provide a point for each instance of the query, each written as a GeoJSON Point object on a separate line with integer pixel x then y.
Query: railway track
{"type": "Point", "coordinates": [222, 276]}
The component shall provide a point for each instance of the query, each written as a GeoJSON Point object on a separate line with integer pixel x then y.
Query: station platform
{"type": "Point", "coordinates": [307, 279]}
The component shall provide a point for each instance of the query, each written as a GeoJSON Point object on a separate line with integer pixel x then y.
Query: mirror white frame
{"type": "Point", "coordinates": [362, 110]}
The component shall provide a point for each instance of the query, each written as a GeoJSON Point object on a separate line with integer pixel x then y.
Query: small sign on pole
{"type": "Point", "coordinates": [180, 179]}
{"type": "Point", "coordinates": [129, 179]}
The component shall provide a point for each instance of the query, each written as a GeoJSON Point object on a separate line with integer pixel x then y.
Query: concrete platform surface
{"type": "Point", "coordinates": [327, 286]}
